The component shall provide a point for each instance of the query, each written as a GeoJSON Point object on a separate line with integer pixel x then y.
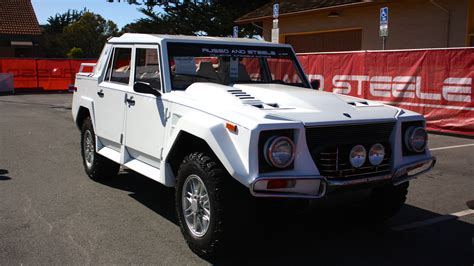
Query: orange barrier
{"type": "Point", "coordinates": [46, 74]}
{"type": "Point", "coordinates": [23, 70]}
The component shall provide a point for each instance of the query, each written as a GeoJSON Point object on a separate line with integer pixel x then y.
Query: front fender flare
{"type": "Point", "coordinates": [211, 130]}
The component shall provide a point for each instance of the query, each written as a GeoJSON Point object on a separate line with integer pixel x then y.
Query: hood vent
{"type": "Point", "coordinates": [241, 94]}
{"type": "Point", "coordinates": [361, 103]}
{"type": "Point", "coordinates": [246, 98]}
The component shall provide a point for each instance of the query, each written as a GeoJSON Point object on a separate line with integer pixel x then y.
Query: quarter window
{"type": "Point", "coordinates": [147, 68]}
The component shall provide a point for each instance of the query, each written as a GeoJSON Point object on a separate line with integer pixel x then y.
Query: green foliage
{"type": "Point", "coordinates": [90, 33]}
{"type": "Point", "coordinates": [75, 53]}
{"type": "Point", "coordinates": [213, 18]}
{"type": "Point", "coordinates": [57, 23]}
{"type": "Point", "coordinates": [82, 30]}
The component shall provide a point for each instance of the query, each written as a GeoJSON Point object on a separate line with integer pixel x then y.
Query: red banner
{"type": "Point", "coordinates": [23, 70]}
{"type": "Point", "coordinates": [46, 74]}
{"type": "Point", "coordinates": [436, 83]}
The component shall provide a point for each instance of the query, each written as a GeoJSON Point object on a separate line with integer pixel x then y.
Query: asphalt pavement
{"type": "Point", "coordinates": [52, 213]}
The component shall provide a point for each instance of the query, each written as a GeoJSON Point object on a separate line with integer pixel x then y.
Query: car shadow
{"type": "Point", "coordinates": [332, 236]}
{"type": "Point", "coordinates": [148, 192]}
{"type": "Point", "coordinates": [3, 173]}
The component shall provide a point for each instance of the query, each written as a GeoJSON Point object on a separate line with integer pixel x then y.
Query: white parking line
{"type": "Point", "coordinates": [433, 220]}
{"type": "Point", "coordinates": [452, 147]}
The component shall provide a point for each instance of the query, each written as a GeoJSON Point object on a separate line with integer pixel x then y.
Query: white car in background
{"type": "Point", "coordinates": [221, 117]}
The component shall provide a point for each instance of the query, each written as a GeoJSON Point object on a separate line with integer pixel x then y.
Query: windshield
{"type": "Point", "coordinates": [231, 64]}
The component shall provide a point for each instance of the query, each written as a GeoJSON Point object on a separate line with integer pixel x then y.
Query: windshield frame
{"type": "Point", "coordinates": [168, 49]}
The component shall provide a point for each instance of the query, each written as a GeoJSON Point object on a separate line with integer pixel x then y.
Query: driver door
{"type": "Point", "coordinates": [146, 113]}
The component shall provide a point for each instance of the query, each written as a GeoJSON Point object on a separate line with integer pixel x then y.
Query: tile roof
{"type": "Point", "coordinates": [17, 17]}
{"type": "Point", "coordinates": [290, 6]}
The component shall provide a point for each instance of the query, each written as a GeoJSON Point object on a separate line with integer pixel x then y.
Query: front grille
{"type": "Point", "coordinates": [330, 147]}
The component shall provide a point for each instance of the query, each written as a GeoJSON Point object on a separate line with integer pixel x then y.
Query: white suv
{"type": "Point", "coordinates": [212, 116]}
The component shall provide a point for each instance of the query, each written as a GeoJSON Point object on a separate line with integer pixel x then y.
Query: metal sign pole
{"type": "Point", "coordinates": [275, 28]}
{"type": "Point", "coordinates": [383, 32]}
{"type": "Point", "coordinates": [235, 32]}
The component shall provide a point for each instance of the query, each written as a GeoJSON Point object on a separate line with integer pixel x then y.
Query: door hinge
{"type": "Point", "coordinates": [161, 154]}
{"type": "Point", "coordinates": [121, 138]}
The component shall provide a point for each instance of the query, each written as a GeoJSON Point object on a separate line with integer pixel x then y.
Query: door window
{"type": "Point", "coordinates": [119, 66]}
{"type": "Point", "coordinates": [147, 68]}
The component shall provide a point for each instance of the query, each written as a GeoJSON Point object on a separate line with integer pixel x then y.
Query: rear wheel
{"type": "Point", "coordinates": [96, 166]}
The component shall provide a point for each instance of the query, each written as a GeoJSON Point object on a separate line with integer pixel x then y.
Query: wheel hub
{"type": "Point", "coordinates": [89, 148]}
{"type": "Point", "coordinates": [196, 205]}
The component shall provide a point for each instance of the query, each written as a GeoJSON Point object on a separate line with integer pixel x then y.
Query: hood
{"type": "Point", "coordinates": [276, 101]}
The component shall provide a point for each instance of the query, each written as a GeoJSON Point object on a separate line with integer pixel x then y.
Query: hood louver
{"type": "Point", "coordinates": [246, 98]}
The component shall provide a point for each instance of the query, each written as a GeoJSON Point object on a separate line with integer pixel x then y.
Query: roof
{"type": "Point", "coordinates": [157, 38]}
{"type": "Point", "coordinates": [17, 17]}
{"type": "Point", "coordinates": [294, 6]}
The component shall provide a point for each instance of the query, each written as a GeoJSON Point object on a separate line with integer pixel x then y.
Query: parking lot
{"type": "Point", "coordinates": [52, 213]}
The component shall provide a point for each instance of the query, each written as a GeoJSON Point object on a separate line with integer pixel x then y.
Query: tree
{"type": "Point", "coordinates": [51, 40]}
{"type": "Point", "coordinates": [75, 53]}
{"type": "Point", "coordinates": [214, 18]}
{"type": "Point", "coordinates": [58, 22]}
{"type": "Point", "coordinates": [82, 30]}
{"type": "Point", "coordinates": [89, 33]}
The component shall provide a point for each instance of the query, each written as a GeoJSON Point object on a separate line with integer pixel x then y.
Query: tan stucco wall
{"type": "Point", "coordinates": [412, 24]}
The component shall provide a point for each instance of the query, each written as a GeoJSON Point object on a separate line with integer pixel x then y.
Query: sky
{"type": "Point", "coordinates": [121, 13]}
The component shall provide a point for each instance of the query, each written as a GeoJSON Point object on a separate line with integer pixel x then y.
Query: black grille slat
{"type": "Point", "coordinates": [330, 147]}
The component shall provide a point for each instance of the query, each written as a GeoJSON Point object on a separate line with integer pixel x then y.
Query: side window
{"type": "Point", "coordinates": [118, 69]}
{"type": "Point", "coordinates": [147, 68]}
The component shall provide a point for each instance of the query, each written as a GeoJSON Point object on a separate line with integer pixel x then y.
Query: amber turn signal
{"type": "Point", "coordinates": [231, 127]}
{"type": "Point", "coordinates": [280, 183]}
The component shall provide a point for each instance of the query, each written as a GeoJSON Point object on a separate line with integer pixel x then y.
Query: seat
{"type": "Point", "coordinates": [206, 72]}
{"type": "Point", "coordinates": [243, 74]}
{"type": "Point", "coordinates": [184, 73]}
{"type": "Point", "coordinates": [149, 74]}
{"type": "Point", "coordinates": [224, 73]}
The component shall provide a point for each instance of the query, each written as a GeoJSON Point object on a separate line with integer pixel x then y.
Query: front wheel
{"type": "Point", "coordinates": [199, 203]}
{"type": "Point", "coordinates": [96, 166]}
{"type": "Point", "coordinates": [385, 202]}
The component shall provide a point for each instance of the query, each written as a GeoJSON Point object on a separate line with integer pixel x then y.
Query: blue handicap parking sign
{"type": "Point", "coordinates": [276, 10]}
{"type": "Point", "coordinates": [384, 15]}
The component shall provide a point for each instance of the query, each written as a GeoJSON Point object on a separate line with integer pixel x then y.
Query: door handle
{"type": "Point", "coordinates": [130, 101]}
{"type": "Point", "coordinates": [100, 93]}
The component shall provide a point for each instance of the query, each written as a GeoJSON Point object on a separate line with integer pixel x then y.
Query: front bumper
{"type": "Point", "coordinates": [313, 187]}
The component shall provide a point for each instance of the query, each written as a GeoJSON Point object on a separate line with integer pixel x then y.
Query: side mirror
{"type": "Point", "coordinates": [144, 87]}
{"type": "Point", "coordinates": [315, 84]}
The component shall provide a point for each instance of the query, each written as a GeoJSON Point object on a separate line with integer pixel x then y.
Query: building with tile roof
{"type": "Point", "coordinates": [344, 25]}
{"type": "Point", "coordinates": [19, 29]}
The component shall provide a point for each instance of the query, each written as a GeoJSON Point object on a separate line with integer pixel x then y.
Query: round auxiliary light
{"type": "Point", "coordinates": [376, 154]}
{"type": "Point", "coordinates": [279, 151]}
{"type": "Point", "coordinates": [416, 139]}
{"type": "Point", "coordinates": [357, 156]}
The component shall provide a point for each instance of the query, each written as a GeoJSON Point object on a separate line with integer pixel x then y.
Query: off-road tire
{"type": "Point", "coordinates": [225, 194]}
{"type": "Point", "coordinates": [385, 202]}
{"type": "Point", "coordinates": [101, 167]}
